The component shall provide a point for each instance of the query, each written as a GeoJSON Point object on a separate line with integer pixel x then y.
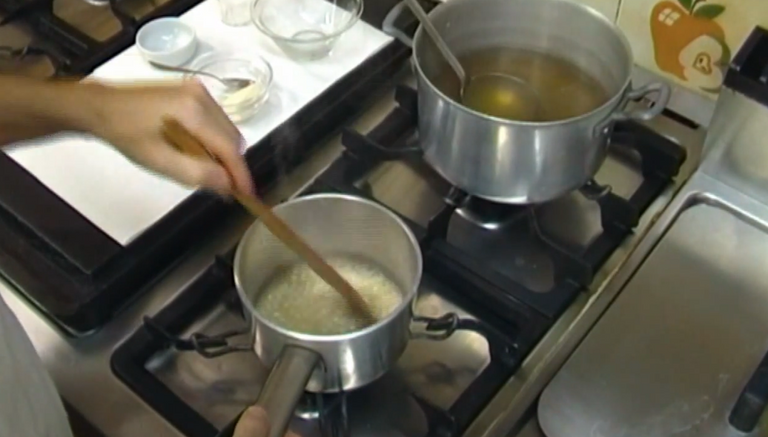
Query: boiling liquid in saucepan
{"type": "Point", "coordinates": [563, 89]}
{"type": "Point", "coordinates": [300, 301]}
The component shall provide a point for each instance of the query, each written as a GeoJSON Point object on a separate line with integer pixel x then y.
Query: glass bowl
{"type": "Point", "coordinates": [241, 104]}
{"type": "Point", "coordinates": [305, 29]}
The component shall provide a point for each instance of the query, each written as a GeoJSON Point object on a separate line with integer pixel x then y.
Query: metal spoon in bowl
{"type": "Point", "coordinates": [516, 98]}
{"type": "Point", "coordinates": [231, 83]}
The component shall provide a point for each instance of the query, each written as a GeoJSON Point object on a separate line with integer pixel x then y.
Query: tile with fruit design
{"type": "Point", "coordinates": [690, 41]}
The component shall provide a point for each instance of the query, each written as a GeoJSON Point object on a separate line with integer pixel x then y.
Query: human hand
{"type": "Point", "coordinates": [130, 118]}
{"type": "Point", "coordinates": [255, 423]}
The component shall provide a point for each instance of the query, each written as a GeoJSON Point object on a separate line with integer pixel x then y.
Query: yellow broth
{"type": "Point", "coordinates": [564, 90]}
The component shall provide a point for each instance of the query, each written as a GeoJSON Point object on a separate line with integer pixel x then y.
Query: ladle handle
{"type": "Point", "coordinates": [437, 39]}
{"type": "Point", "coordinates": [187, 143]}
{"type": "Point", "coordinates": [285, 385]}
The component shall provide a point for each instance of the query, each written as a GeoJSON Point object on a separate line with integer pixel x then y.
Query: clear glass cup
{"type": "Point", "coordinates": [305, 29]}
{"type": "Point", "coordinates": [235, 12]}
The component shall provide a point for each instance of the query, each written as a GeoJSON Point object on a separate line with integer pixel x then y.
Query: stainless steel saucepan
{"type": "Point", "coordinates": [519, 162]}
{"type": "Point", "coordinates": [335, 225]}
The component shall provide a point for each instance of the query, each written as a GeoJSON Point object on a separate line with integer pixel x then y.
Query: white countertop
{"type": "Point", "coordinates": [122, 199]}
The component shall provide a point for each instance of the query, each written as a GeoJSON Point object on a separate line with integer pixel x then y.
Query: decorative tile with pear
{"type": "Point", "coordinates": [690, 41]}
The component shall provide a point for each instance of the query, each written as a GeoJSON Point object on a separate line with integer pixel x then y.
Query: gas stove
{"type": "Point", "coordinates": [509, 271]}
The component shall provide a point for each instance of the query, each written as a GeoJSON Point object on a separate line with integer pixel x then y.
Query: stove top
{"type": "Point", "coordinates": [437, 387]}
{"type": "Point", "coordinates": [508, 271]}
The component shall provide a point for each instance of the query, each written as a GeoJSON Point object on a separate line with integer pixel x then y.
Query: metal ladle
{"type": "Point", "coordinates": [231, 83]}
{"type": "Point", "coordinates": [514, 97]}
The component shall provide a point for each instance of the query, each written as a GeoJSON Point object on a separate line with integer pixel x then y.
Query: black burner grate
{"type": "Point", "coordinates": [509, 339]}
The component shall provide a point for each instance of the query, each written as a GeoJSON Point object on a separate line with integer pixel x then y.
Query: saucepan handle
{"type": "Point", "coordinates": [662, 91]}
{"type": "Point", "coordinates": [285, 385]}
{"type": "Point", "coordinates": [282, 389]}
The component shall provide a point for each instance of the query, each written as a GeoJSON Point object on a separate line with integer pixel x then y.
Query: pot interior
{"type": "Point", "coordinates": [298, 300]}
{"type": "Point", "coordinates": [571, 56]}
{"type": "Point", "coordinates": [368, 245]}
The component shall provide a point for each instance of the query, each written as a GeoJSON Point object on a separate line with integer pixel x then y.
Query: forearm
{"type": "Point", "coordinates": [31, 108]}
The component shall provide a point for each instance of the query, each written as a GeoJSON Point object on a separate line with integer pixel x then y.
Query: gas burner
{"type": "Point", "coordinates": [99, 3]}
{"type": "Point", "coordinates": [329, 410]}
{"type": "Point", "coordinates": [594, 191]}
{"type": "Point", "coordinates": [313, 406]}
{"type": "Point", "coordinates": [490, 215]}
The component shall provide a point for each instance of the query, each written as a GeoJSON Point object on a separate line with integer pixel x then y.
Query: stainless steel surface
{"type": "Point", "coordinates": [232, 83]}
{"type": "Point", "coordinates": [513, 161]}
{"type": "Point", "coordinates": [285, 385]}
{"type": "Point", "coordinates": [508, 414]}
{"type": "Point", "coordinates": [436, 371]}
{"type": "Point", "coordinates": [689, 328]}
{"type": "Point", "coordinates": [736, 152]}
{"type": "Point", "coordinates": [334, 224]}
{"type": "Point", "coordinates": [675, 349]}
{"type": "Point", "coordinates": [442, 47]}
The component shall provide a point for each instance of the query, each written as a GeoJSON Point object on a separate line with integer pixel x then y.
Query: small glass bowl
{"type": "Point", "coordinates": [243, 104]}
{"type": "Point", "coordinates": [305, 29]}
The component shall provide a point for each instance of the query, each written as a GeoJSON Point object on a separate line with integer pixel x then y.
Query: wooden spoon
{"type": "Point", "coordinates": [181, 138]}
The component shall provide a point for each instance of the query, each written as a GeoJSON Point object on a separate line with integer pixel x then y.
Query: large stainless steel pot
{"type": "Point", "coordinates": [333, 224]}
{"type": "Point", "coordinates": [522, 162]}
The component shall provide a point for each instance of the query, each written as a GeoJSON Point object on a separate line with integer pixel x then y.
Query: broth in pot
{"type": "Point", "coordinates": [555, 88]}
{"type": "Point", "coordinates": [300, 301]}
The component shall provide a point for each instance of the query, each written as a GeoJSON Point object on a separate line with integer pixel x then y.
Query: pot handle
{"type": "Point", "coordinates": [663, 91]}
{"type": "Point", "coordinates": [436, 328]}
{"type": "Point", "coordinates": [285, 385]}
{"type": "Point", "coordinates": [389, 27]}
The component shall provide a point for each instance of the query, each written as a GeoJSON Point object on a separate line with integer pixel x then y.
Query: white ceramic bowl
{"type": "Point", "coordinates": [167, 41]}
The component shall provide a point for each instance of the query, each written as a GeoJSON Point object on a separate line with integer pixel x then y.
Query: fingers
{"type": "Point", "coordinates": [252, 423]}
{"type": "Point", "coordinates": [255, 423]}
{"type": "Point", "coordinates": [222, 138]}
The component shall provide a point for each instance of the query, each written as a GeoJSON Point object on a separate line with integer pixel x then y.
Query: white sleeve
{"type": "Point", "coordinates": [29, 403]}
